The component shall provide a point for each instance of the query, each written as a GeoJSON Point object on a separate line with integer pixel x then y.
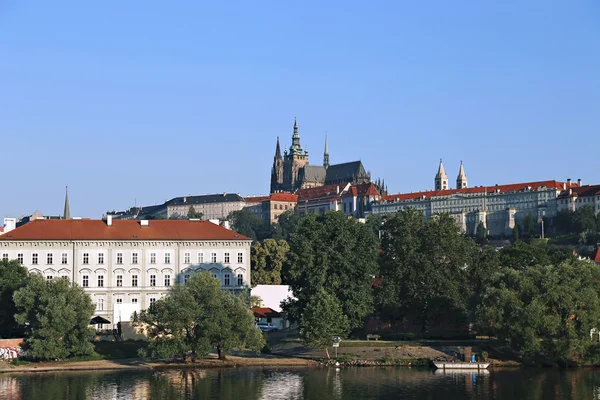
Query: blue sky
{"type": "Point", "coordinates": [151, 100]}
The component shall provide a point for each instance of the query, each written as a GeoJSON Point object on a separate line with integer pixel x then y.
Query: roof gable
{"type": "Point", "coordinates": [347, 171]}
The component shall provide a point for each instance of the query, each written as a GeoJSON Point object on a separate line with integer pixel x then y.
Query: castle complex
{"type": "Point", "coordinates": [292, 171]}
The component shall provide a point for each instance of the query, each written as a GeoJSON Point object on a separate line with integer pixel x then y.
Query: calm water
{"type": "Point", "coordinates": [322, 383]}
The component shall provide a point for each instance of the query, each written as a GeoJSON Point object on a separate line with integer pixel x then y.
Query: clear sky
{"type": "Point", "coordinates": [149, 100]}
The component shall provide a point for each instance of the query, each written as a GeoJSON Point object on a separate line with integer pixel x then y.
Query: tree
{"type": "Point", "coordinates": [544, 310]}
{"type": "Point", "coordinates": [337, 254]}
{"type": "Point", "coordinates": [375, 223]}
{"type": "Point", "coordinates": [197, 317]}
{"type": "Point", "coordinates": [481, 234]}
{"type": "Point", "coordinates": [267, 260]}
{"type": "Point", "coordinates": [13, 276]}
{"type": "Point", "coordinates": [255, 301]}
{"type": "Point", "coordinates": [516, 232]}
{"type": "Point", "coordinates": [322, 319]}
{"type": "Point", "coordinates": [248, 224]}
{"type": "Point", "coordinates": [424, 268]}
{"type": "Point", "coordinates": [287, 225]}
{"type": "Point", "coordinates": [57, 316]}
{"type": "Point", "coordinates": [192, 213]}
{"type": "Point", "coordinates": [530, 225]}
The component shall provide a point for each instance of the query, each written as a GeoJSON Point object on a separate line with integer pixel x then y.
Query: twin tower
{"type": "Point", "coordinates": [441, 179]}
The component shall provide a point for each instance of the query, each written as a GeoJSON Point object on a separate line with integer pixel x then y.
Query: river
{"type": "Point", "coordinates": [316, 383]}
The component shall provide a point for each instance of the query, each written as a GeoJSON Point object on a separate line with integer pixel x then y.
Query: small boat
{"type": "Point", "coordinates": [456, 371]}
{"type": "Point", "coordinates": [460, 365]}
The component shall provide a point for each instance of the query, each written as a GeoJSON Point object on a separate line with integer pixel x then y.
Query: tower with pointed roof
{"type": "Point", "coordinates": [277, 170]}
{"type": "Point", "coordinates": [461, 180]}
{"type": "Point", "coordinates": [287, 170]}
{"type": "Point", "coordinates": [326, 154]}
{"type": "Point", "coordinates": [441, 179]}
{"type": "Point", "coordinates": [67, 211]}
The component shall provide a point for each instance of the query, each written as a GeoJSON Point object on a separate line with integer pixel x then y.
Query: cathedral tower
{"type": "Point", "coordinates": [461, 180]}
{"type": "Point", "coordinates": [326, 154]}
{"type": "Point", "coordinates": [277, 170]}
{"type": "Point", "coordinates": [441, 179]}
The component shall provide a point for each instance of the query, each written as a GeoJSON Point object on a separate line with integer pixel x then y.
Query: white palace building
{"type": "Point", "coordinates": [126, 265]}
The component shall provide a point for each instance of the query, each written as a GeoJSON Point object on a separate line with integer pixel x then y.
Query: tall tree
{"type": "Point", "coordinates": [322, 319]}
{"type": "Point", "coordinates": [424, 268]}
{"type": "Point", "coordinates": [287, 225]}
{"type": "Point", "coordinates": [57, 316]}
{"type": "Point", "coordinates": [530, 225]}
{"type": "Point", "coordinates": [481, 234]}
{"type": "Point", "coordinates": [338, 254]}
{"type": "Point", "coordinates": [267, 260]}
{"type": "Point", "coordinates": [13, 276]}
{"type": "Point", "coordinates": [192, 213]}
{"type": "Point", "coordinates": [250, 225]}
{"type": "Point", "coordinates": [197, 317]}
{"type": "Point", "coordinates": [516, 232]}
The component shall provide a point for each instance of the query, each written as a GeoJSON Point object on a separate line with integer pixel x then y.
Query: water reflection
{"type": "Point", "coordinates": [297, 384]}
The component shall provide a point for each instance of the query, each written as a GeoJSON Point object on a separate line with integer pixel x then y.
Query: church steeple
{"type": "Point", "coordinates": [66, 212]}
{"type": "Point", "coordinates": [296, 147]}
{"type": "Point", "coordinates": [461, 180]}
{"type": "Point", "coordinates": [326, 154]}
{"type": "Point", "coordinates": [277, 150]}
{"type": "Point", "coordinates": [441, 179]}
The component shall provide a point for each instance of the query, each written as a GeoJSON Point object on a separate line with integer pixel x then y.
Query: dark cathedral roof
{"type": "Point", "coordinates": [346, 172]}
{"type": "Point", "coordinates": [314, 173]}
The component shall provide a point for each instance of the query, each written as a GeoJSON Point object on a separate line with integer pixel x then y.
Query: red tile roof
{"type": "Point", "coordinates": [581, 191]}
{"type": "Point", "coordinates": [256, 199]}
{"type": "Point", "coordinates": [362, 189]}
{"type": "Point", "coordinates": [596, 255]}
{"type": "Point", "coordinates": [85, 229]}
{"type": "Point", "coordinates": [291, 198]}
{"type": "Point", "coordinates": [516, 187]}
{"type": "Point", "coordinates": [320, 192]}
{"type": "Point", "coordinates": [264, 312]}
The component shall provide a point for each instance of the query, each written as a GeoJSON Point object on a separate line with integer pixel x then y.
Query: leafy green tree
{"type": "Point", "coordinates": [375, 223]}
{"type": "Point", "coordinates": [564, 221]}
{"type": "Point", "coordinates": [544, 310]}
{"type": "Point", "coordinates": [481, 234]}
{"type": "Point", "coordinates": [424, 268]}
{"type": "Point", "coordinates": [248, 224]}
{"type": "Point", "coordinates": [255, 301]}
{"type": "Point", "coordinates": [287, 225]}
{"type": "Point", "coordinates": [522, 255]}
{"type": "Point", "coordinates": [267, 260]}
{"type": "Point", "coordinates": [530, 225]}
{"type": "Point", "coordinates": [57, 315]}
{"type": "Point", "coordinates": [192, 213]}
{"type": "Point", "coordinates": [13, 276]}
{"type": "Point", "coordinates": [322, 319]}
{"type": "Point", "coordinates": [516, 232]}
{"type": "Point", "coordinates": [197, 317]}
{"type": "Point", "coordinates": [337, 254]}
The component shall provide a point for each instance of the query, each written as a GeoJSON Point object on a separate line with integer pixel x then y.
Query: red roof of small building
{"type": "Point", "coordinates": [256, 199]}
{"type": "Point", "coordinates": [596, 255]}
{"type": "Point", "coordinates": [581, 191]}
{"type": "Point", "coordinates": [362, 189]}
{"type": "Point", "coordinates": [86, 229]}
{"type": "Point", "coordinates": [264, 312]}
{"type": "Point", "coordinates": [320, 192]}
{"type": "Point", "coordinates": [289, 197]}
{"type": "Point", "coordinates": [515, 187]}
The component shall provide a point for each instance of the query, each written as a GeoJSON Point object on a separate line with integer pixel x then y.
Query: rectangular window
{"type": "Point", "coordinates": [20, 258]}
{"type": "Point", "coordinates": [152, 280]}
{"type": "Point", "coordinates": [134, 301]}
{"type": "Point", "coordinates": [49, 278]}
{"type": "Point", "coordinates": [186, 258]}
{"type": "Point", "coordinates": [240, 258]}
{"type": "Point", "coordinates": [200, 258]}
{"type": "Point", "coordinates": [227, 280]}
{"type": "Point", "coordinates": [119, 280]}
{"type": "Point", "coordinates": [240, 279]}
{"type": "Point", "coordinates": [134, 280]}
{"type": "Point", "coordinates": [134, 258]}
{"type": "Point", "coordinates": [226, 258]}
{"type": "Point", "coordinates": [49, 259]}
{"type": "Point", "coordinates": [34, 258]}
{"type": "Point", "coordinates": [185, 278]}
{"type": "Point", "coordinates": [167, 258]}
{"type": "Point", "coordinates": [119, 258]}
{"type": "Point", "coordinates": [100, 258]}
{"type": "Point", "coordinates": [119, 301]}
{"type": "Point", "coordinates": [213, 257]}
{"type": "Point", "coordinates": [152, 300]}
{"type": "Point", "coordinates": [4, 256]}
{"type": "Point", "coordinates": [64, 258]}
{"type": "Point", "coordinates": [152, 258]}
{"type": "Point", "coordinates": [100, 280]}
{"type": "Point", "coordinates": [85, 281]}
{"type": "Point", "coordinates": [167, 280]}
{"type": "Point", "coordinates": [100, 304]}
{"type": "Point", "coordinates": [86, 258]}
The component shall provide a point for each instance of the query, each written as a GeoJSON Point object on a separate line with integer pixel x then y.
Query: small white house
{"type": "Point", "coordinates": [266, 314]}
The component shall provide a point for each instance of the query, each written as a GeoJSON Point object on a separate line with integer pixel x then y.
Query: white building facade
{"type": "Point", "coordinates": [126, 265]}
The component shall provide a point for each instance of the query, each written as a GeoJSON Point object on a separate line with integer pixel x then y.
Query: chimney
{"type": "Point", "coordinates": [9, 224]}
{"type": "Point", "coordinates": [337, 190]}
{"type": "Point", "coordinates": [564, 186]}
{"type": "Point", "coordinates": [569, 181]}
{"type": "Point", "coordinates": [109, 220]}
{"type": "Point", "coordinates": [579, 182]}
{"type": "Point", "coordinates": [144, 222]}
{"type": "Point", "coordinates": [185, 199]}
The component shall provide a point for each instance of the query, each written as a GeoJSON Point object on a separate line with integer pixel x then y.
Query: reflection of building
{"type": "Point", "coordinates": [271, 207]}
{"type": "Point", "coordinates": [126, 265]}
{"type": "Point", "coordinates": [498, 207]}
{"type": "Point", "coordinates": [292, 171]}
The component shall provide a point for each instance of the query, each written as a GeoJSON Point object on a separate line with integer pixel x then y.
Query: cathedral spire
{"type": "Point", "coordinates": [296, 147]}
{"type": "Point", "coordinates": [441, 179]}
{"type": "Point", "coordinates": [461, 180]}
{"type": "Point", "coordinates": [67, 212]}
{"type": "Point", "coordinates": [277, 149]}
{"type": "Point", "coordinates": [326, 154]}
